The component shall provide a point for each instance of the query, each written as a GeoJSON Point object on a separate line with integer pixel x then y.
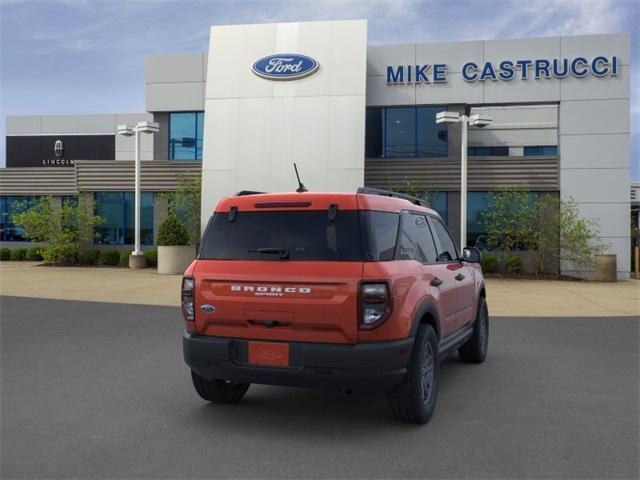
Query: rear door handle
{"type": "Point", "coordinates": [459, 277]}
{"type": "Point", "coordinates": [436, 282]}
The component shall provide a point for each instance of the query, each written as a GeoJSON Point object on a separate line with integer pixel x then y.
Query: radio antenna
{"type": "Point", "coordinates": [301, 188]}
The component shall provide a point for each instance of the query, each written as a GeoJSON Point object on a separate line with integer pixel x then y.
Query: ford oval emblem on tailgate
{"type": "Point", "coordinates": [208, 308]}
{"type": "Point", "coordinates": [284, 66]}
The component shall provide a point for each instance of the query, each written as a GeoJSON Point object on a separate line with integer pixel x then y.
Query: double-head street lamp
{"type": "Point", "coordinates": [136, 259]}
{"type": "Point", "coordinates": [478, 120]}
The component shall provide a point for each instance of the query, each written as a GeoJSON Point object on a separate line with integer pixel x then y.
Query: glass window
{"type": "Point", "coordinates": [432, 137]}
{"type": "Point", "coordinates": [185, 135]}
{"type": "Point", "coordinates": [439, 202]}
{"type": "Point", "coordinates": [393, 132]}
{"type": "Point", "coordinates": [380, 231]}
{"type": "Point", "coordinates": [446, 248]}
{"type": "Point", "coordinates": [117, 212]}
{"type": "Point", "coordinates": [541, 151]}
{"type": "Point", "coordinates": [284, 235]}
{"type": "Point", "coordinates": [109, 207]}
{"type": "Point", "coordinates": [415, 240]}
{"type": "Point", "coordinates": [400, 127]}
{"type": "Point", "coordinates": [488, 151]}
{"type": "Point", "coordinates": [146, 218]}
{"type": "Point", "coordinates": [9, 206]}
{"type": "Point", "coordinates": [374, 133]}
{"type": "Point", "coordinates": [477, 203]}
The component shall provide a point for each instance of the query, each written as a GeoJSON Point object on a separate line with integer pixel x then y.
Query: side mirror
{"type": "Point", "coordinates": [471, 255]}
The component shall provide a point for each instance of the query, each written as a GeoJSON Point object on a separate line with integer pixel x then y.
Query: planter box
{"type": "Point", "coordinates": [175, 260]}
{"type": "Point", "coordinates": [606, 268]}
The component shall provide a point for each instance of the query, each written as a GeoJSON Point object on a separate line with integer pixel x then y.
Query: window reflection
{"type": "Point", "coordinates": [117, 211]}
{"type": "Point", "coordinates": [395, 132]}
{"type": "Point", "coordinates": [185, 135]}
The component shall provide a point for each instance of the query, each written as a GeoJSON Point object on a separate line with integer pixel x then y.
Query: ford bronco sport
{"type": "Point", "coordinates": [362, 291]}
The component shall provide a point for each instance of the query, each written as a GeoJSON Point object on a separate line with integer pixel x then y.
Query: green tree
{"type": "Point", "coordinates": [579, 242]}
{"type": "Point", "coordinates": [184, 203]}
{"type": "Point", "coordinates": [549, 227]}
{"type": "Point", "coordinates": [562, 236]}
{"type": "Point", "coordinates": [509, 219]}
{"type": "Point", "coordinates": [62, 227]}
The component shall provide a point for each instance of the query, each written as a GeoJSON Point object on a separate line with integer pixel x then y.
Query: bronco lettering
{"type": "Point", "coordinates": [269, 289]}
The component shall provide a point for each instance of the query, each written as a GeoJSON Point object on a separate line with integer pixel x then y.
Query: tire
{"type": "Point", "coordinates": [219, 391]}
{"type": "Point", "coordinates": [475, 349]}
{"type": "Point", "coordinates": [415, 399]}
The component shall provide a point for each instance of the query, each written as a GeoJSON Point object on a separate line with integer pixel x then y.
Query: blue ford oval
{"type": "Point", "coordinates": [285, 66]}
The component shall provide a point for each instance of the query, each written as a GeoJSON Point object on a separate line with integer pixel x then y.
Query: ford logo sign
{"type": "Point", "coordinates": [285, 66]}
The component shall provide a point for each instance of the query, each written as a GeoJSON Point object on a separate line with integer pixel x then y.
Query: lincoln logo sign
{"type": "Point", "coordinates": [506, 70]}
{"type": "Point", "coordinates": [58, 148]}
{"type": "Point", "coordinates": [285, 66]}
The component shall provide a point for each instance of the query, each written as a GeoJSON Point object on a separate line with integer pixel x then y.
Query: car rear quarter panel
{"type": "Point", "coordinates": [408, 292]}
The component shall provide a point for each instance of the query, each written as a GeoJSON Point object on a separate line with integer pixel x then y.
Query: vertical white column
{"type": "Point", "coordinates": [463, 184]}
{"type": "Point", "coordinates": [136, 248]}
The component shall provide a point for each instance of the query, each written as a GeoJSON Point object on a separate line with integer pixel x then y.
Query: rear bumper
{"type": "Point", "coordinates": [377, 366]}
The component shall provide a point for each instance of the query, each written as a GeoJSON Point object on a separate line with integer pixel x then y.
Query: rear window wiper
{"type": "Point", "coordinates": [282, 252]}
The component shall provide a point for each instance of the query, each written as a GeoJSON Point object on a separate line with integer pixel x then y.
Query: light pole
{"type": "Point", "coordinates": [136, 259]}
{"type": "Point", "coordinates": [478, 120]}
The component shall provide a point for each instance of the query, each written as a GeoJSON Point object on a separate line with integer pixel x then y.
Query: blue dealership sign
{"type": "Point", "coordinates": [506, 70]}
{"type": "Point", "coordinates": [285, 66]}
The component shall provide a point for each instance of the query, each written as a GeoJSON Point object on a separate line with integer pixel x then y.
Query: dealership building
{"type": "Point", "coordinates": [349, 114]}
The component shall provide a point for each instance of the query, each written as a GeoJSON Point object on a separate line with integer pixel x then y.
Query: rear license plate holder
{"type": "Point", "coordinates": [269, 354]}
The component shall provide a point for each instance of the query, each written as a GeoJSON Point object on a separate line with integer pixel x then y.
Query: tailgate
{"type": "Point", "coordinates": [301, 301]}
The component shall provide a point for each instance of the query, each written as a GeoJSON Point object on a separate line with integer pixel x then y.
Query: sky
{"type": "Point", "coordinates": [87, 56]}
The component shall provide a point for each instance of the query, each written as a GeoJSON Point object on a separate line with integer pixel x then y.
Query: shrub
{"type": "Point", "coordinates": [172, 232]}
{"type": "Point", "coordinates": [109, 257]}
{"type": "Point", "coordinates": [490, 262]}
{"type": "Point", "coordinates": [61, 253]}
{"type": "Point", "coordinates": [89, 257]}
{"type": "Point", "coordinates": [151, 258]}
{"type": "Point", "coordinates": [18, 253]}
{"type": "Point", "coordinates": [513, 263]}
{"type": "Point", "coordinates": [5, 254]}
{"type": "Point", "coordinates": [34, 254]}
{"type": "Point", "coordinates": [124, 258]}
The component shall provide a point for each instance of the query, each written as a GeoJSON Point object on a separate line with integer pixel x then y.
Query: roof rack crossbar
{"type": "Point", "coordinates": [389, 193]}
{"type": "Point", "coordinates": [243, 193]}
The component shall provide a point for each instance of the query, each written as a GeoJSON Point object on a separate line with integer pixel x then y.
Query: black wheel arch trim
{"type": "Point", "coordinates": [426, 307]}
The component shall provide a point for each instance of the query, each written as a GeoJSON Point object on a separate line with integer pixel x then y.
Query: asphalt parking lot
{"type": "Point", "coordinates": [99, 390]}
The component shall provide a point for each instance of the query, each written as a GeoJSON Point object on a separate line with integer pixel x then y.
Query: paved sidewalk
{"type": "Point", "coordinates": [528, 298]}
{"type": "Point", "coordinates": [98, 284]}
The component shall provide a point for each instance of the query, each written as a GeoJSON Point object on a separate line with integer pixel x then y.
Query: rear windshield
{"type": "Point", "coordinates": [284, 235]}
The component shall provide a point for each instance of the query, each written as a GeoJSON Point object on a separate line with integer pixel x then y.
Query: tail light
{"type": "Point", "coordinates": [188, 308]}
{"type": "Point", "coordinates": [375, 304]}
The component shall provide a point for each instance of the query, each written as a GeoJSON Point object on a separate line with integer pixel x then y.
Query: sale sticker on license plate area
{"type": "Point", "coordinates": [269, 353]}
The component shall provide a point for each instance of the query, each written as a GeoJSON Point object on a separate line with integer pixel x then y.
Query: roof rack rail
{"type": "Point", "coordinates": [389, 193]}
{"type": "Point", "coordinates": [243, 193]}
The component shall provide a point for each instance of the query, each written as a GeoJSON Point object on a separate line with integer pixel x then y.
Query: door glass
{"type": "Point", "coordinates": [447, 250]}
{"type": "Point", "coordinates": [415, 241]}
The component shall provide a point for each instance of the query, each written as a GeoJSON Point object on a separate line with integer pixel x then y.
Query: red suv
{"type": "Point", "coordinates": [361, 291]}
